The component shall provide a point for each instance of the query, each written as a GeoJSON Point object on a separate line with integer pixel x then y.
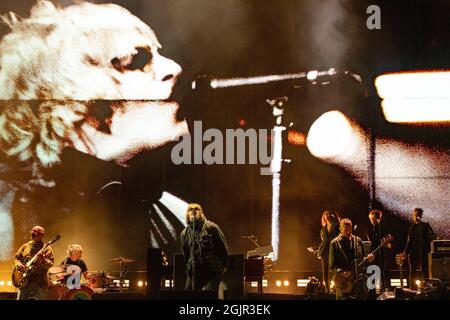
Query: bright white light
{"type": "Point", "coordinates": [416, 110]}
{"type": "Point", "coordinates": [312, 75]}
{"type": "Point", "coordinates": [413, 85]}
{"type": "Point", "coordinates": [177, 206]}
{"type": "Point", "coordinates": [330, 136]}
{"type": "Point", "coordinates": [406, 175]}
{"type": "Point", "coordinates": [2, 283]}
{"type": "Point", "coordinates": [265, 283]}
{"type": "Point", "coordinates": [254, 284]}
{"type": "Point", "coordinates": [418, 282]}
{"type": "Point", "coordinates": [286, 283]}
{"type": "Point", "coordinates": [278, 283]}
{"type": "Point", "coordinates": [9, 283]}
{"type": "Point", "coordinates": [140, 283]}
{"type": "Point", "coordinates": [415, 96]}
{"type": "Point", "coordinates": [396, 282]}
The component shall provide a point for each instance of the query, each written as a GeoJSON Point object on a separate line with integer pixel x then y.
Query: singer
{"type": "Point", "coordinates": [420, 235]}
{"type": "Point", "coordinates": [204, 249]}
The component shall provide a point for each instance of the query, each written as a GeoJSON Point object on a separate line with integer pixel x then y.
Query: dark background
{"type": "Point", "coordinates": [250, 37]}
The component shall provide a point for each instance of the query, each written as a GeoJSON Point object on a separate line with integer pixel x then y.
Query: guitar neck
{"type": "Point", "coordinates": [373, 252]}
{"type": "Point", "coordinates": [33, 260]}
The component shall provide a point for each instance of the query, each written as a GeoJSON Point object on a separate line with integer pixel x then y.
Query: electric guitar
{"type": "Point", "coordinates": [20, 278]}
{"type": "Point", "coordinates": [399, 258]}
{"type": "Point", "coordinates": [346, 284]}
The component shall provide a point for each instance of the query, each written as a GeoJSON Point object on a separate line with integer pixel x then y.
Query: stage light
{"type": "Point", "coordinates": [416, 110]}
{"type": "Point", "coordinates": [286, 283]}
{"type": "Point", "coordinates": [140, 283]}
{"type": "Point", "coordinates": [396, 282]}
{"type": "Point", "coordinates": [9, 283]}
{"type": "Point", "coordinates": [168, 284]}
{"type": "Point", "coordinates": [265, 283]}
{"type": "Point", "coordinates": [415, 97]}
{"type": "Point", "coordinates": [331, 135]}
{"type": "Point", "coordinates": [254, 284]}
{"type": "Point", "coordinates": [405, 173]}
{"type": "Point", "coordinates": [418, 283]}
{"type": "Point", "coordinates": [413, 85]}
{"type": "Point", "coordinates": [2, 283]}
{"type": "Point", "coordinates": [175, 205]}
{"type": "Point", "coordinates": [278, 283]}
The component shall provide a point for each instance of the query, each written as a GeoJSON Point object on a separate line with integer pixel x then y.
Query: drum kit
{"type": "Point", "coordinates": [98, 282]}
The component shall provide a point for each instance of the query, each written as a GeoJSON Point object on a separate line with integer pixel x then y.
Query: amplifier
{"type": "Point", "coordinates": [439, 266]}
{"type": "Point", "coordinates": [440, 246]}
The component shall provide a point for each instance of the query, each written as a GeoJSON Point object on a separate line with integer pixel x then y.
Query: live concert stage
{"type": "Point", "coordinates": [230, 150]}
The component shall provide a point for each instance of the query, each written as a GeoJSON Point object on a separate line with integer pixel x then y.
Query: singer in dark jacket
{"type": "Point", "coordinates": [204, 249]}
{"type": "Point", "coordinates": [418, 245]}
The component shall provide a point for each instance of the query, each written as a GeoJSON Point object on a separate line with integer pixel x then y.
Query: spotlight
{"type": "Point", "coordinates": [331, 135]}
{"type": "Point", "coordinates": [286, 283]}
{"type": "Point", "coordinates": [140, 283]}
{"type": "Point", "coordinates": [278, 283]}
{"type": "Point", "coordinates": [9, 283]}
{"type": "Point", "coordinates": [418, 283]}
{"type": "Point", "coordinates": [2, 283]}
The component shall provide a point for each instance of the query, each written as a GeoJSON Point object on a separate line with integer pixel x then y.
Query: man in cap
{"type": "Point", "coordinates": [38, 284]}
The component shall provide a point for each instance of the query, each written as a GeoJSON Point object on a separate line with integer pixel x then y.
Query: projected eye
{"type": "Point", "coordinates": [133, 62]}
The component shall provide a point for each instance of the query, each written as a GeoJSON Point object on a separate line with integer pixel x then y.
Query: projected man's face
{"type": "Point", "coordinates": [98, 69]}
{"type": "Point", "coordinates": [142, 116]}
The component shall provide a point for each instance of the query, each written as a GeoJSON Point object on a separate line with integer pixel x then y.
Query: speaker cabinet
{"type": "Point", "coordinates": [439, 266]}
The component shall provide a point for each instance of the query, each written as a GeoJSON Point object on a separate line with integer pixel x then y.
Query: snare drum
{"type": "Point", "coordinates": [84, 293]}
{"type": "Point", "coordinates": [98, 280]}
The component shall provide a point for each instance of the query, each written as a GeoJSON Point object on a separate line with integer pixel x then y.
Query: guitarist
{"type": "Point", "coordinates": [38, 284]}
{"type": "Point", "coordinates": [329, 231]}
{"type": "Point", "coordinates": [344, 249]}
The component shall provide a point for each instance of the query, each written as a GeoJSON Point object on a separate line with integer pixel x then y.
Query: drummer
{"type": "Point", "coordinates": [74, 251]}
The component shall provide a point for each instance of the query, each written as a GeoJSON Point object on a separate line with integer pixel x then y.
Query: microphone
{"type": "Point", "coordinates": [203, 81]}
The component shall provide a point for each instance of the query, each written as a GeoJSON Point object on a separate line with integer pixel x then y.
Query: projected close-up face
{"type": "Point", "coordinates": [76, 56]}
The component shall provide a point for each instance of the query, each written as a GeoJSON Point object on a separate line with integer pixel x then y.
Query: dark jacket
{"type": "Point", "coordinates": [207, 245]}
{"type": "Point", "coordinates": [26, 252]}
{"type": "Point", "coordinates": [342, 253]}
{"type": "Point", "coordinates": [419, 234]}
{"type": "Point", "coordinates": [327, 237]}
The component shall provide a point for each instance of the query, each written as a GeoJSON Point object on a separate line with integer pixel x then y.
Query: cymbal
{"type": "Point", "coordinates": [121, 260]}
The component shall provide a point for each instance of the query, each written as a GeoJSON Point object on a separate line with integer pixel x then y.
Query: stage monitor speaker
{"type": "Point", "coordinates": [232, 284]}
{"type": "Point", "coordinates": [439, 267]}
{"type": "Point", "coordinates": [154, 269]}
